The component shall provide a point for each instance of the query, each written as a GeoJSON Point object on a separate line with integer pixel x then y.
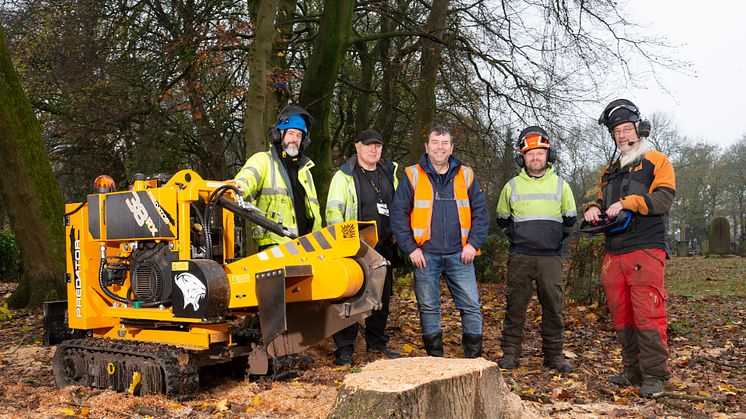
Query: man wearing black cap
{"type": "Point", "coordinates": [362, 189]}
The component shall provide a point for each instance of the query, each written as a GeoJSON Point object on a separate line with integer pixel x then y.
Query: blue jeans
{"type": "Point", "coordinates": [462, 283]}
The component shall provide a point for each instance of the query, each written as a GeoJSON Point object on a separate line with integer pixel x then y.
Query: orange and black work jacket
{"type": "Point", "coordinates": [646, 187]}
{"type": "Point", "coordinates": [439, 213]}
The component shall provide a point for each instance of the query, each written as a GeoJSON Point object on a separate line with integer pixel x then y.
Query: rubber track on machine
{"type": "Point", "coordinates": [179, 365]}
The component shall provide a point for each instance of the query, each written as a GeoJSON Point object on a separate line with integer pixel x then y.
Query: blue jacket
{"type": "Point", "coordinates": [445, 235]}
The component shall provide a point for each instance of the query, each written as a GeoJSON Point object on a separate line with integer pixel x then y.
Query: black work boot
{"type": "Point", "coordinates": [509, 362]}
{"type": "Point", "coordinates": [472, 345]}
{"type": "Point", "coordinates": [384, 350]}
{"type": "Point", "coordinates": [433, 344]}
{"type": "Point", "coordinates": [343, 359]}
{"type": "Point", "coordinates": [631, 376]}
{"type": "Point", "coordinates": [558, 362]}
{"type": "Point", "coordinates": [651, 386]}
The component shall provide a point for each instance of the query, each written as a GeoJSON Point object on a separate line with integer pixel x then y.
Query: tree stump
{"type": "Point", "coordinates": [427, 387]}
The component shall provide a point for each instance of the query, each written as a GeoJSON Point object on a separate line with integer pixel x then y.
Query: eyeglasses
{"type": "Point", "coordinates": [625, 130]}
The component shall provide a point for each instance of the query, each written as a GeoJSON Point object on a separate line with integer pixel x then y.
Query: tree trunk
{"type": "Point", "coordinates": [255, 126]}
{"type": "Point", "coordinates": [30, 193]}
{"type": "Point", "coordinates": [319, 81]}
{"type": "Point", "coordinates": [427, 387]}
{"type": "Point", "coordinates": [281, 75]}
{"type": "Point", "coordinates": [385, 118]}
{"type": "Point", "coordinates": [362, 101]}
{"type": "Point", "coordinates": [429, 63]}
{"type": "Point", "coordinates": [391, 63]}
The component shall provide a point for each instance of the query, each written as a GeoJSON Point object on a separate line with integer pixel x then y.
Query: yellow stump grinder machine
{"type": "Point", "coordinates": [157, 287]}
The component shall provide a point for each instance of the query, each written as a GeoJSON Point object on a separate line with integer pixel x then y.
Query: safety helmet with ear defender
{"type": "Point", "coordinates": [620, 111]}
{"type": "Point", "coordinates": [530, 138]}
{"type": "Point", "coordinates": [293, 116]}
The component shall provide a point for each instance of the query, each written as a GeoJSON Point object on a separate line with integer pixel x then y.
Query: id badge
{"type": "Point", "coordinates": [383, 209]}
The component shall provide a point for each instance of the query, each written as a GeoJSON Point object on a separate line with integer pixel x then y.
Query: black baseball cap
{"type": "Point", "coordinates": [370, 136]}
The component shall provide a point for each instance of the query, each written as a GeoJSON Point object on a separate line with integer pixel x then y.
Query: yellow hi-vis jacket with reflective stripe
{"type": "Point", "coordinates": [422, 212]}
{"type": "Point", "coordinates": [342, 201]}
{"type": "Point", "coordinates": [265, 183]}
{"type": "Point", "coordinates": [535, 212]}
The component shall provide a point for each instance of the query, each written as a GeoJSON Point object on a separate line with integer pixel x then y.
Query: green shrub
{"type": "Point", "coordinates": [5, 313]}
{"type": "Point", "coordinates": [10, 266]}
{"type": "Point", "coordinates": [583, 274]}
{"type": "Point", "coordinates": [490, 266]}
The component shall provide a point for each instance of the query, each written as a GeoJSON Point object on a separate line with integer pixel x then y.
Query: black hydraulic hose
{"type": "Point", "coordinates": [105, 289]}
{"type": "Point", "coordinates": [67, 214]}
{"type": "Point", "coordinates": [211, 203]}
{"type": "Point", "coordinates": [255, 218]}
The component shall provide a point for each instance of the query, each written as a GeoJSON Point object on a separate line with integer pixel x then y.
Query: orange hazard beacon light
{"type": "Point", "coordinates": [103, 184]}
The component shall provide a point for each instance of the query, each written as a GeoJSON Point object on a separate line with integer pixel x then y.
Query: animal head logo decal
{"type": "Point", "coordinates": [192, 288]}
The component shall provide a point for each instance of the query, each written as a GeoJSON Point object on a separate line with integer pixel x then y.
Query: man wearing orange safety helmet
{"type": "Point", "coordinates": [536, 210]}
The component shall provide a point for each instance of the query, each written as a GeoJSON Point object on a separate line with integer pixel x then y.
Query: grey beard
{"type": "Point", "coordinates": [634, 154]}
{"type": "Point", "coordinates": [291, 151]}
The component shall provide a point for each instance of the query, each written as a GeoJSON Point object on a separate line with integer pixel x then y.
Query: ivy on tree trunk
{"type": "Point", "coordinates": [30, 193]}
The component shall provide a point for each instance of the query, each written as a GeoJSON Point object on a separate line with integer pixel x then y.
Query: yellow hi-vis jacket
{"type": "Point", "coordinates": [535, 212]}
{"type": "Point", "coordinates": [342, 201]}
{"type": "Point", "coordinates": [265, 181]}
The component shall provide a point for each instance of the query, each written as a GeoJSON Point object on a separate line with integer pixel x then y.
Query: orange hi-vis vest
{"type": "Point", "coordinates": [422, 212]}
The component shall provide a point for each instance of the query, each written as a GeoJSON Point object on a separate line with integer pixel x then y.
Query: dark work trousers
{"type": "Point", "coordinates": [523, 270]}
{"type": "Point", "coordinates": [375, 324]}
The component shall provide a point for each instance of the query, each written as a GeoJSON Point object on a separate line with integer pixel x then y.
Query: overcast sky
{"type": "Point", "coordinates": [710, 103]}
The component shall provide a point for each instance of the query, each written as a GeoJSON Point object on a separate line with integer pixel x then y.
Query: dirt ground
{"type": "Point", "coordinates": [707, 340]}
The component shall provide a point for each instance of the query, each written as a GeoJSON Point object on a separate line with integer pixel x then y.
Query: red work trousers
{"type": "Point", "coordinates": [636, 298]}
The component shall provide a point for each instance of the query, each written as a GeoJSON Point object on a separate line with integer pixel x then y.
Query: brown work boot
{"type": "Point", "coordinates": [559, 363]}
{"type": "Point", "coordinates": [629, 377]}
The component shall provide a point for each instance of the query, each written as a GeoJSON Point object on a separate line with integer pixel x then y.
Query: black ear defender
{"type": "Point", "coordinates": [519, 159]}
{"type": "Point", "coordinates": [642, 126]}
{"type": "Point", "coordinates": [275, 135]}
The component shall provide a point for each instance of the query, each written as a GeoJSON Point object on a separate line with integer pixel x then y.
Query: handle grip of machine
{"type": "Point", "coordinates": [606, 225]}
{"type": "Point", "coordinates": [255, 218]}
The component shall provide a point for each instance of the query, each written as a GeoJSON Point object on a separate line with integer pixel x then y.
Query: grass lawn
{"type": "Point", "coordinates": [706, 277]}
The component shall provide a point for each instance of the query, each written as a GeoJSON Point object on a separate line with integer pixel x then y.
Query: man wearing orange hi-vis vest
{"type": "Point", "coordinates": [439, 218]}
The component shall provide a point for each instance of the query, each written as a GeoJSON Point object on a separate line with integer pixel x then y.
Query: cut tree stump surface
{"type": "Point", "coordinates": [427, 387]}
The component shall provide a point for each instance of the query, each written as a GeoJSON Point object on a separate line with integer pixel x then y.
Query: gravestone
{"type": "Point", "coordinates": [705, 248]}
{"type": "Point", "coordinates": [719, 236]}
{"type": "Point", "coordinates": [682, 246]}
